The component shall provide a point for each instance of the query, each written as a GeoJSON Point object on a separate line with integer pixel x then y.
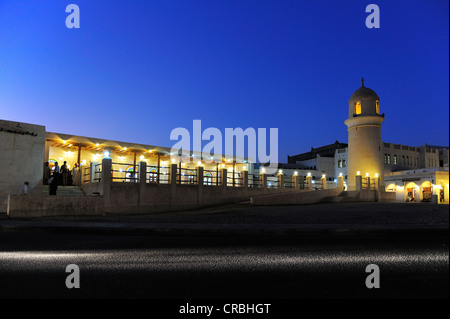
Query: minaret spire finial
{"type": "Point", "coordinates": [362, 81]}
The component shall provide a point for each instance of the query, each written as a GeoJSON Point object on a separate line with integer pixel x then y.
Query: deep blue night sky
{"type": "Point", "coordinates": [135, 70]}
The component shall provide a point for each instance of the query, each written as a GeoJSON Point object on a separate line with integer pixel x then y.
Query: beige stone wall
{"type": "Point", "coordinates": [22, 148]}
{"type": "Point", "coordinates": [365, 153]}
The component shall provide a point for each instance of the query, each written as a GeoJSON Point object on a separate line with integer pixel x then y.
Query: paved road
{"type": "Point", "coordinates": [413, 264]}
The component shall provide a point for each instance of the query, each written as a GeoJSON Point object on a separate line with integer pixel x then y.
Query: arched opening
{"type": "Point", "coordinates": [411, 192]}
{"type": "Point", "coordinates": [153, 175]}
{"type": "Point", "coordinates": [427, 191]}
{"type": "Point", "coordinates": [391, 188]}
{"type": "Point", "coordinates": [208, 179]}
{"type": "Point", "coordinates": [129, 176]}
{"type": "Point", "coordinates": [191, 179]}
{"type": "Point", "coordinates": [442, 192]}
{"type": "Point", "coordinates": [358, 108]}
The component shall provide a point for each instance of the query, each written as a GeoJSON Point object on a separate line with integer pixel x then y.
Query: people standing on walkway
{"type": "Point", "coordinates": [75, 174]}
{"type": "Point", "coordinates": [53, 182]}
{"type": "Point", "coordinates": [24, 189]}
{"type": "Point", "coordinates": [64, 173]}
{"type": "Point", "coordinates": [46, 173]}
{"type": "Point", "coordinates": [56, 173]}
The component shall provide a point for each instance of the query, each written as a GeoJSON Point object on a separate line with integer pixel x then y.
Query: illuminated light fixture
{"type": "Point", "coordinates": [446, 185]}
{"type": "Point", "coordinates": [70, 145]}
{"type": "Point", "coordinates": [141, 157]}
{"type": "Point", "coordinates": [120, 170]}
{"type": "Point", "coordinates": [280, 171]}
{"type": "Point", "coordinates": [193, 155]}
{"type": "Point", "coordinates": [263, 170]}
{"type": "Point", "coordinates": [244, 168]}
{"type": "Point", "coordinates": [106, 154]}
{"type": "Point", "coordinates": [309, 174]}
{"type": "Point", "coordinates": [313, 182]}
{"type": "Point", "coordinates": [97, 144]}
{"type": "Point", "coordinates": [212, 158]}
{"type": "Point", "coordinates": [60, 158]}
{"type": "Point", "coordinates": [150, 151]}
{"type": "Point", "coordinates": [223, 165]}
{"type": "Point", "coordinates": [64, 142]}
{"type": "Point", "coordinates": [358, 173]}
{"type": "Point", "coordinates": [295, 173]}
{"type": "Point", "coordinates": [84, 162]}
{"type": "Point", "coordinates": [323, 175]}
{"type": "Point", "coordinates": [367, 174]}
{"type": "Point", "coordinates": [124, 148]}
{"type": "Point", "coordinates": [340, 174]}
{"type": "Point", "coordinates": [376, 175]}
{"type": "Point", "coordinates": [172, 160]}
{"type": "Point", "coordinates": [199, 163]}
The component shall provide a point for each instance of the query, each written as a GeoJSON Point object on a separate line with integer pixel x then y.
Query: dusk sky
{"type": "Point", "coordinates": [135, 70]}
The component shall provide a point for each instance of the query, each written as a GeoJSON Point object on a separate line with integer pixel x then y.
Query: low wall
{"type": "Point", "coordinates": [40, 206]}
{"type": "Point", "coordinates": [297, 198]}
{"type": "Point", "coordinates": [387, 197]}
{"type": "Point", "coordinates": [91, 188]}
{"type": "Point", "coordinates": [148, 198]}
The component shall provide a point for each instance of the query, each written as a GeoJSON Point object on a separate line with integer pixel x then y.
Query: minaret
{"type": "Point", "coordinates": [365, 149]}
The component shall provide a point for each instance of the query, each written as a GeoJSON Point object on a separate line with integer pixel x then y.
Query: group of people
{"type": "Point", "coordinates": [60, 176]}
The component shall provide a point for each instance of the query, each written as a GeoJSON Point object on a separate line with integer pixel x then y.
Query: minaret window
{"type": "Point", "coordinates": [378, 107]}
{"type": "Point", "coordinates": [358, 108]}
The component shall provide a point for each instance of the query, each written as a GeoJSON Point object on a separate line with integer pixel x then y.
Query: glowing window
{"type": "Point", "coordinates": [378, 107]}
{"type": "Point", "coordinates": [208, 179]}
{"type": "Point", "coordinates": [358, 108]}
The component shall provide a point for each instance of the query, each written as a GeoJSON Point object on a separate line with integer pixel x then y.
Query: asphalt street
{"type": "Point", "coordinates": [413, 264]}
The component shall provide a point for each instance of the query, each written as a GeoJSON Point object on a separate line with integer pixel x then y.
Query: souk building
{"type": "Point", "coordinates": [26, 147]}
{"type": "Point", "coordinates": [140, 178]}
{"type": "Point", "coordinates": [414, 173]}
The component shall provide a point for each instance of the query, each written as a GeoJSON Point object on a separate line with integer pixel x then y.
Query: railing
{"type": "Point", "coordinates": [86, 175]}
{"type": "Point", "coordinates": [211, 178]}
{"type": "Point", "coordinates": [235, 180]}
{"type": "Point", "coordinates": [364, 183]}
{"type": "Point", "coordinates": [302, 183]}
{"type": "Point", "coordinates": [288, 182]}
{"type": "Point", "coordinates": [97, 172]}
{"type": "Point", "coordinates": [187, 176]}
{"type": "Point", "coordinates": [254, 180]}
{"type": "Point", "coordinates": [317, 185]}
{"type": "Point", "coordinates": [272, 181]}
{"type": "Point", "coordinates": [121, 172]}
{"type": "Point", "coordinates": [155, 175]}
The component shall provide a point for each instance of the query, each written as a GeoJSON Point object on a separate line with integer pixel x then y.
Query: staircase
{"type": "Point", "coordinates": [64, 191]}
